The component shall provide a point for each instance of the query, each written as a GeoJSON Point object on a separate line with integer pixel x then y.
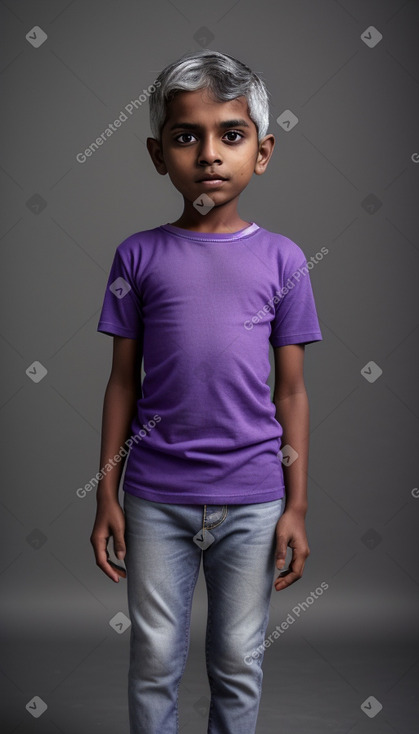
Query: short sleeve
{"type": "Point", "coordinates": [121, 313]}
{"type": "Point", "coordinates": [295, 320]}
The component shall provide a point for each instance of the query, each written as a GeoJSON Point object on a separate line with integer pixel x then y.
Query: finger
{"type": "Point", "coordinates": [285, 581]}
{"type": "Point", "coordinates": [298, 560]}
{"type": "Point", "coordinates": [119, 545]}
{"type": "Point", "coordinates": [111, 571]}
{"type": "Point", "coordinates": [286, 578]}
{"type": "Point", "coordinates": [281, 551]}
{"type": "Point", "coordinates": [119, 570]}
{"type": "Point", "coordinates": [101, 552]}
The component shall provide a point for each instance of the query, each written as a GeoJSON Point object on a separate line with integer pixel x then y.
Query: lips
{"type": "Point", "coordinates": [215, 177]}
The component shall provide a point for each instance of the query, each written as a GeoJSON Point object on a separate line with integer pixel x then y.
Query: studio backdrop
{"type": "Point", "coordinates": [343, 78]}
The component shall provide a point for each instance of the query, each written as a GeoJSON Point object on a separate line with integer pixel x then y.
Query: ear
{"type": "Point", "coordinates": [266, 147]}
{"type": "Point", "coordinates": [156, 155]}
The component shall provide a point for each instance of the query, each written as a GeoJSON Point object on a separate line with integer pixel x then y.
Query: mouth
{"type": "Point", "coordinates": [212, 183]}
{"type": "Point", "coordinates": [209, 178]}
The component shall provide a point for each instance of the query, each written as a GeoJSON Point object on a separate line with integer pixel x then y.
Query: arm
{"type": "Point", "coordinates": [292, 412]}
{"type": "Point", "coordinates": [118, 411]}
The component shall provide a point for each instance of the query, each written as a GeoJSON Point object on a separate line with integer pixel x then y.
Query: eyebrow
{"type": "Point", "coordinates": [223, 124]}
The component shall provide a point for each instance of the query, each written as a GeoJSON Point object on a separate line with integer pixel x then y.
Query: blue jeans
{"type": "Point", "coordinates": [164, 545]}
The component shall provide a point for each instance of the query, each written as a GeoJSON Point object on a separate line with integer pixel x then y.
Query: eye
{"type": "Point", "coordinates": [190, 135]}
{"type": "Point", "coordinates": [182, 135]}
{"type": "Point", "coordinates": [234, 132]}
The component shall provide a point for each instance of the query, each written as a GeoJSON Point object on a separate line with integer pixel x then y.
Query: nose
{"type": "Point", "coordinates": [208, 151]}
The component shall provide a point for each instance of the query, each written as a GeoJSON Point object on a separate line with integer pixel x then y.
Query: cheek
{"type": "Point", "coordinates": [179, 159]}
{"type": "Point", "coordinates": [245, 172]}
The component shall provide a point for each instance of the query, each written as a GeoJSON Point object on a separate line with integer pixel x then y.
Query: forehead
{"type": "Point", "coordinates": [199, 107]}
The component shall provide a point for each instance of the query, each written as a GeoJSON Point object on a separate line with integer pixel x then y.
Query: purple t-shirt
{"type": "Point", "coordinates": [205, 307]}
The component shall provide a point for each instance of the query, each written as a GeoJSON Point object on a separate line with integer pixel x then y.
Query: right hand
{"type": "Point", "coordinates": [110, 521]}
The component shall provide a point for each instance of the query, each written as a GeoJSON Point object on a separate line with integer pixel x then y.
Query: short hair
{"type": "Point", "coordinates": [225, 77]}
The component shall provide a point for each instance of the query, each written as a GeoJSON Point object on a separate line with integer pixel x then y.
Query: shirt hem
{"type": "Point", "coordinates": [106, 327]}
{"type": "Point", "coordinates": [283, 341]}
{"type": "Point", "coordinates": [202, 498]}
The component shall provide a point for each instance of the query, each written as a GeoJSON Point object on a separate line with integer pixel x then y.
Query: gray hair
{"type": "Point", "coordinates": [225, 77]}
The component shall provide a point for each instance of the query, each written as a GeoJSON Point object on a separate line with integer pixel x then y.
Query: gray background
{"type": "Point", "coordinates": [345, 177]}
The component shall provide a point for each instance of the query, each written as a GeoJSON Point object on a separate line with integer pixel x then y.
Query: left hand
{"type": "Point", "coordinates": [290, 531]}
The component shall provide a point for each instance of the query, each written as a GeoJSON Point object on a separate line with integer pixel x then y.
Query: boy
{"type": "Point", "coordinates": [200, 299]}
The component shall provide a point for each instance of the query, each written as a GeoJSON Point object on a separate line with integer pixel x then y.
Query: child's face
{"type": "Point", "coordinates": [206, 145]}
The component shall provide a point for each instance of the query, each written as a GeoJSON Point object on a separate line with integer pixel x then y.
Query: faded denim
{"type": "Point", "coordinates": [165, 543]}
